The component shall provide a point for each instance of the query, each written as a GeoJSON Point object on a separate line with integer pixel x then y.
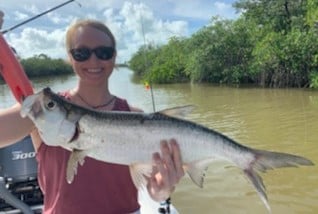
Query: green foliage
{"type": "Point", "coordinates": [161, 64]}
{"type": "Point", "coordinates": [169, 64]}
{"type": "Point", "coordinates": [278, 14]}
{"type": "Point", "coordinates": [43, 65]}
{"type": "Point", "coordinates": [286, 60]}
{"type": "Point", "coordinates": [312, 13]}
{"type": "Point", "coordinates": [314, 80]}
{"type": "Point", "coordinates": [143, 59]}
{"type": "Point", "coordinates": [272, 44]}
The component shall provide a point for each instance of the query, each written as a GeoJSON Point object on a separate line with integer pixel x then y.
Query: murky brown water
{"type": "Point", "coordinates": [283, 120]}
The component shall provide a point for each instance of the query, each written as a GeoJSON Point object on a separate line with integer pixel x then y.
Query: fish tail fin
{"type": "Point", "coordinates": [265, 160]}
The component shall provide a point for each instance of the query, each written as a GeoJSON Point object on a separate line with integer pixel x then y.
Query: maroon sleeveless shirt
{"type": "Point", "coordinates": [98, 187]}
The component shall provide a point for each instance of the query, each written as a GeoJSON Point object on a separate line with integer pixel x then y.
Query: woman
{"type": "Point", "coordinates": [99, 187]}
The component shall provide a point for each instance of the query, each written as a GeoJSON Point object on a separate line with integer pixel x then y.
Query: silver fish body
{"type": "Point", "coordinates": [130, 138]}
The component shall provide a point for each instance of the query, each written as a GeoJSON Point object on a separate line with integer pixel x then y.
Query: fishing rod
{"type": "Point", "coordinates": [164, 206]}
{"type": "Point", "coordinates": [37, 16]}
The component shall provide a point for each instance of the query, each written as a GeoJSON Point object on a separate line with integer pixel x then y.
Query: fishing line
{"type": "Point", "coordinates": [37, 16]}
{"type": "Point", "coordinates": [146, 65]}
{"type": "Point", "coordinates": [165, 206]}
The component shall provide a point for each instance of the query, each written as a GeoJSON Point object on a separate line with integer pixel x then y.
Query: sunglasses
{"type": "Point", "coordinates": [83, 54]}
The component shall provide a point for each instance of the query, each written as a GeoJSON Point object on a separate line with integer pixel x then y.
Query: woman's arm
{"type": "Point", "coordinates": [12, 126]}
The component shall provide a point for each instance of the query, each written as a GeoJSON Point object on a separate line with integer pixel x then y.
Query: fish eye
{"type": "Point", "coordinates": [50, 105]}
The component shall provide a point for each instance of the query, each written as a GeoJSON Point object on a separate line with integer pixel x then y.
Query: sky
{"type": "Point", "coordinates": [134, 23]}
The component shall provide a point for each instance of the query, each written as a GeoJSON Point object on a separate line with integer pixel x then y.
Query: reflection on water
{"type": "Point", "coordinates": [283, 120]}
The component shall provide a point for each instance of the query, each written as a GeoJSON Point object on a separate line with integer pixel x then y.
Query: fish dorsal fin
{"type": "Point", "coordinates": [138, 172]}
{"type": "Point", "coordinates": [179, 111]}
{"type": "Point", "coordinates": [77, 156]}
{"type": "Point", "coordinates": [196, 170]}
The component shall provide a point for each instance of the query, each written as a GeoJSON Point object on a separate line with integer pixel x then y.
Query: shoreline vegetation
{"type": "Point", "coordinates": [271, 44]}
{"type": "Point", "coordinates": [44, 66]}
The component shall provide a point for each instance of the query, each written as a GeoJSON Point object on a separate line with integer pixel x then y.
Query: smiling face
{"type": "Point", "coordinates": [93, 70]}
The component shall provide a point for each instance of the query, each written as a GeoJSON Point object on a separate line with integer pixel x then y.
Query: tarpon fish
{"type": "Point", "coordinates": [130, 138]}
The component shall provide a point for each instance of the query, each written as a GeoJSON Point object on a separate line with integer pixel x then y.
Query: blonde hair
{"type": "Point", "coordinates": [91, 23]}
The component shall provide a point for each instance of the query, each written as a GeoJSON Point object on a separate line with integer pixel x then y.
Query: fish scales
{"type": "Point", "coordinates": [124, 134]}
{"type": "Point", "coordinates": [149, 129]}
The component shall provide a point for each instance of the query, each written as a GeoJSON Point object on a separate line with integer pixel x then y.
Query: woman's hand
{"type": "Point", "coordinates": [167, 171]}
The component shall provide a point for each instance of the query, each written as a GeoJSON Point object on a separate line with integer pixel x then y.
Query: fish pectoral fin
{"type": "Point", "coordinates": [196, 170]}
{"type": "Point", "coordinates": [138, 172]}
{"type": "Point", "coordinates": [77, 156]}
{"type": "Point", "coordinates": [180, 111]}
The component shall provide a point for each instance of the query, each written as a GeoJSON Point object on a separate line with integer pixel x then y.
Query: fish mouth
{"type": "Point", "coordinates": [29, 107]}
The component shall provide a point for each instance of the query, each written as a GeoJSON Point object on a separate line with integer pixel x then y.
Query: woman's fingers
{"type": "Point", "coordinates": [167, 170]}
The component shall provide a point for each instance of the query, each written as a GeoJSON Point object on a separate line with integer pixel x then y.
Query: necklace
{"type": "Point", "coordinates": [98, 106]}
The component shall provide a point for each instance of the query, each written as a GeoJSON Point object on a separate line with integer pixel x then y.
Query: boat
{"type": "Point", "coordinates": [19, 189]}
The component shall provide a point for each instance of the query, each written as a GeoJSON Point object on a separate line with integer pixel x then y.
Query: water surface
{"type": "Point", "coordinates": [283, 120]}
